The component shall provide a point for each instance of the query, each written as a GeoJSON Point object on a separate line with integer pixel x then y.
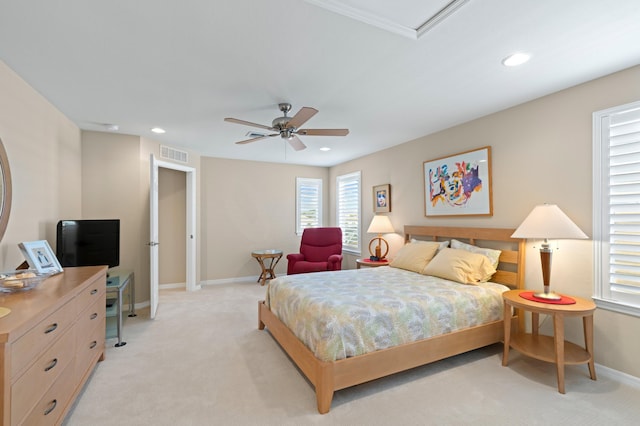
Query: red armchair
{"type": "Point", "coordinates": [320, 250]}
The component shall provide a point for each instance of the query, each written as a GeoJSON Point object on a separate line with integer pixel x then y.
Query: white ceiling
{"type": "Point", "coordinates": [187, 65]}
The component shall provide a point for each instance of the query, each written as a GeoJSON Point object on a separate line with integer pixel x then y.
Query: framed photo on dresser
{"type": "Point", "coordinates": [40, 257]}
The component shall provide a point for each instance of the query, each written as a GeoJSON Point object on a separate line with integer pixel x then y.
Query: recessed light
{"type": "Point", "coordinates": [158, 130]}
{"type": "Point", "coordinates": [325, 148]}
{"type": "Point", "coordinates": [516, 59]}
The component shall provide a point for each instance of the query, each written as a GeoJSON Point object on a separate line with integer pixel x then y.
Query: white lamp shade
{"type": "Point", "coordinates": [380, 225]}
{"type": "Point", "coordinates": [547, 221]}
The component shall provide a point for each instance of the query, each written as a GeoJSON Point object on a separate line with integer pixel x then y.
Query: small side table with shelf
{"type": "Point", "coordinates": [370, 263]}
{"type": "Point", "coordinates": [554, 348]}
{"type": "Point", "coordinates": [273, 257]}
{"type": "Point", "coordinates": [117, 281]}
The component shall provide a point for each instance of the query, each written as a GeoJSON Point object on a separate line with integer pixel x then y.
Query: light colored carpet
{"type": "Point", "coordinates": [203, 361]}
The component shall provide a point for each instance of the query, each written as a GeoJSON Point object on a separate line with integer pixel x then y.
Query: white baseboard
{"type": "Point", "coordinates": [618, 376]}
{"type": "Point", "coordinates": [172, 285]}
{"type": "Point", "coordinates": [229, 280]}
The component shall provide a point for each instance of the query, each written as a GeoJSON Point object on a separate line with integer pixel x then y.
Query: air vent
{"type": "Point", "coordinates": [256, 135]}
{"type": "Point", "coordinates": [173, 154]}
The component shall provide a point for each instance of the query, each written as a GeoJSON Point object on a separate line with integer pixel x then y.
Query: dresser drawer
{"type": "Point", "coordinates": [90, 317]}
{"type": "Point", "coordinates": [94, 291]}
{"type": "Point", "coordinates": [89, 349]}
{"type": "Point", "coordinates": [54, 403]}
{"type": "Point", "coordinates": [30, 387]}
{"type": "Point", "coordinates": [32, 343]}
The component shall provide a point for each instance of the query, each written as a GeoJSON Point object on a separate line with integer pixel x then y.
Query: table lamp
{"type": "Point", "coordinates": [547, 222]}
{"type": "Point", "coordinates": [379, 225]}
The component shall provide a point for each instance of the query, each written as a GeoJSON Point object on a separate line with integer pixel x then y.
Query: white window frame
{"type": "Point", "coordinates": [347, 245]}
{"type": "Point", "coordinates": [608, 294]}
{"type": "Point", "coordinates": [303, 185]}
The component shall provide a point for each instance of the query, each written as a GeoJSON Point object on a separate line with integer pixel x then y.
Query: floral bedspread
{"type": "Point", "coordinates": [346, 313]}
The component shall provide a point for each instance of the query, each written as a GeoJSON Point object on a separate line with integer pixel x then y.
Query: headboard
{"type": "Point", "coordinates": [511, 267]}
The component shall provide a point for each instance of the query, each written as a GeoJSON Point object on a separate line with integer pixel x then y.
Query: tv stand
{"type": "Point", "coordinates": [117, 281]}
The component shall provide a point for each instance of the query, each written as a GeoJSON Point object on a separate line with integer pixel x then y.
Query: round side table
{"type": "Point", "coordinates": [272, 257]}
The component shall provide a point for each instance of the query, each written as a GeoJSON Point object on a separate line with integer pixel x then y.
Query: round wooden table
{"type": "Point", "coordinates": [554, 348]}
{"type": "Point", "coordinates": [272, 257]}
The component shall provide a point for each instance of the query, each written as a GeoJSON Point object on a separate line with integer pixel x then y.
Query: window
{"type": "Point", "coordinates": [616, 208]}
{"type": "Point", "coordinates": [348, 213]}
{"type": "Point", "coordinates": [308, 204]}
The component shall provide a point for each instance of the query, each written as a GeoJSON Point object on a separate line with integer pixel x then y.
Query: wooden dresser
{"type": "Point", "coordinates": [49, 345]}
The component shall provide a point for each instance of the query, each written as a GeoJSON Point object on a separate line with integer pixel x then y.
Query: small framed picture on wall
{"type": "Point", "coordinates": [382, 198]}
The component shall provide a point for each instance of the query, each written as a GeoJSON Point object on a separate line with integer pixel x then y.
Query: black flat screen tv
{"type": "Point", "coordinates": [88, 242]}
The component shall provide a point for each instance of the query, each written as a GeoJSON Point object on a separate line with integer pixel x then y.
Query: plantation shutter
{"type": "Point", "coordinates": [308, 203]}
{"type": "Point", "coordinates": [618, 202]}
{"type": "Point", "coordinates": [348, 210]}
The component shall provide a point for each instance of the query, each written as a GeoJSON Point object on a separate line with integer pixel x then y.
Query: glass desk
{"type": "Point", "coordinates": [118, 280]}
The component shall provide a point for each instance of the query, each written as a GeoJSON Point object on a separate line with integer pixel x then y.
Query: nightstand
{"type": "Point", "coordinates": [554, 348]}
{"type": "Point", "coordinates": [370, 263]}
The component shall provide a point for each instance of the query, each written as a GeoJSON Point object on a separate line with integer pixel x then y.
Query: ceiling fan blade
{"type": "Point", "coordinates": [296, 143]}
{"type": "Point", "coordinates": [323, 132]}
{"type": "Point", "coordinates": [256, 139]}
{"type": "Point", "coordinates": [247, 123]}
{"type": "Point", "coordinates": [302, 116]}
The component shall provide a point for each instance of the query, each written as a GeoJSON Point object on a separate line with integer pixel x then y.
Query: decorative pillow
{"type": "Point", "coordinates": [415, 256]}
{"type": "Point", "coordinates": [493, 255]}
{"type": "Point", "coordinates": [441, 244]}
{"type": "Point", "coordinates": [461, 266]}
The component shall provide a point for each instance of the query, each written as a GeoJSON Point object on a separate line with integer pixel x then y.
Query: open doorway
{"type": "Point", "coordinates": [189, 235]}
{"type": "Point", "coordinates": [172, 228]}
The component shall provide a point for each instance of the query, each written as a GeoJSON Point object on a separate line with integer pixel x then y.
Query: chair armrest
{"type": "Point", "coordinates": [291, 260]}
{"type": "Point", "coordinates": [294, 257]}
{"type": "Point", "coordinates": [335, 262]}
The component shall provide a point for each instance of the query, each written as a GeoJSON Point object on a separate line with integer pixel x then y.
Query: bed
{"type": "Point", "coordinates": [348, 365]}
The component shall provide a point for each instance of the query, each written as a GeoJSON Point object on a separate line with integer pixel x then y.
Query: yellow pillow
{"type": "Point", "coordinates": [461, 266]}
{"type": "Point", "coordinates": [415, 256]}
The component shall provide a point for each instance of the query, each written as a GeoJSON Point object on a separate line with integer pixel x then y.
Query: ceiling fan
{"type": "Point", "coordinates": [289, 127]}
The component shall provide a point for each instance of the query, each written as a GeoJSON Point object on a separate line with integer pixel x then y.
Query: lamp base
{"type": "Point", "coordinates": [549, 296]}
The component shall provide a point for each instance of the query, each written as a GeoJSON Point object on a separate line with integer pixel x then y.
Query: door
{"type": "Point", "coordinates": [154, 244]}
{"type": "Point", "coordinates": [153, 237]}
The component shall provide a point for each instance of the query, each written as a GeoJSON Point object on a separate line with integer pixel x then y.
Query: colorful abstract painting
{"type": "Point", "coordinates": [459, 184]}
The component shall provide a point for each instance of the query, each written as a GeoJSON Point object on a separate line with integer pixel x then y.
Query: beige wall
{"type": "Point", "coordinates": [172, 226]}
{"type": "Point", "coordinates": [44, 153]}
{"type": "Point", "coordinates": [541, 152]}
{"type": "Point", "coordinates": [116, 181]}
{"type": "Point", "coordinates": [249, 205]}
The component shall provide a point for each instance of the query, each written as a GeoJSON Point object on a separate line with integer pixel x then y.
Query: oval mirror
{"type": "Point", "coordinates": [5, 190]}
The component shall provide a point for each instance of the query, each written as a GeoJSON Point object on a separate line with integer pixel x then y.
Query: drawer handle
{"type": "Point", "coordinates": [53, 364]}
{"type": "Point", "coordinates": [94, 291]}
{"type": "Point", "coordinates": [52, 406]}
{"type": "Point", "coordinates": [94, 315]}
{"type": "Point", "coordinates": [93, 344]}
{"type": "Point", "coordinates": [51, 328]}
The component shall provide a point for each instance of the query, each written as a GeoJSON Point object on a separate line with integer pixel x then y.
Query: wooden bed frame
{"type": "Point", "coordinates": [328, 377]}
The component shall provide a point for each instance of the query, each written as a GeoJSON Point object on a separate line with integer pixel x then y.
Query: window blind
{"type": "Point", "coordinates": [624, 200]}
{"type": "Point", "coordinates": [348, 210]}
{"type": "Point", "coordinates": [308, 203]}
{"type": "Point", "coordinates": [617, 205]}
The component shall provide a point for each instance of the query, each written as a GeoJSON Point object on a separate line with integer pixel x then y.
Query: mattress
{"type": "Point", "coordinates": [346, 313]}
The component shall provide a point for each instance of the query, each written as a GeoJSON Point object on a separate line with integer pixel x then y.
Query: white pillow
{"type": "Point", "coordinates": [441, 244]}
{"type": "Point", "coordinates": [493, 255]}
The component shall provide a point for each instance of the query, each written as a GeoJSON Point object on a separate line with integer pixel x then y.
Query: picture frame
{"type": "Point", "coordinates": [459, 184]}
{"type": "Point", "coordinates": [40, 257]}
{"type": "Point", "coordinates": [382, 198]}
